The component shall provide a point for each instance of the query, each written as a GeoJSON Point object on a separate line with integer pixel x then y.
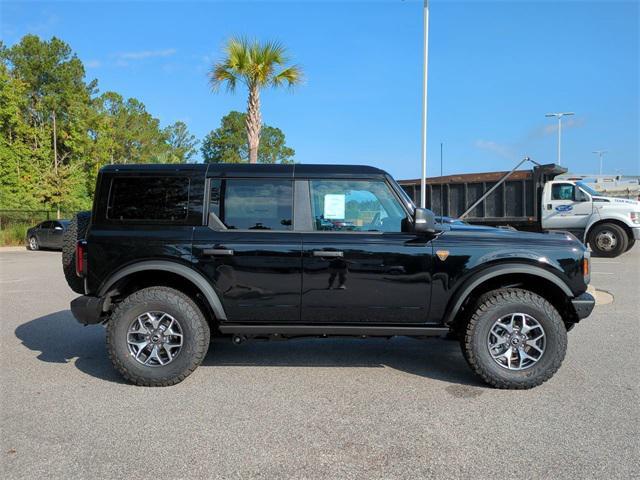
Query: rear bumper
{"type": "Point", "coordinates": [583, 305]}
{"type": "Point", "coordinates": [87, 310]}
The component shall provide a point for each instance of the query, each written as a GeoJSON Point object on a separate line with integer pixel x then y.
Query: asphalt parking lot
{"type": "Point", "coordinates": [338, 408]}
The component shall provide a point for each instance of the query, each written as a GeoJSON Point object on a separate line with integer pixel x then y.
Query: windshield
{"type": "Point", "coordinates": [587, 189]}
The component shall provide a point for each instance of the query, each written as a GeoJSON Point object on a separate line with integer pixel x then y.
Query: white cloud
{"type": "Point", "coordinates": [93, 64]}
{"type": "Point", "coordinates": [141, 55]}
{"type": "Point", "coordinates": [500, 149]}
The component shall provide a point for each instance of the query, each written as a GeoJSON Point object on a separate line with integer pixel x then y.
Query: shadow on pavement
{"type": "Point", "coordinates": [59, 339]}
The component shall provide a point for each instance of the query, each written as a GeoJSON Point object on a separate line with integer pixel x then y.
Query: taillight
{"type": "Point", "coordinates": [81, 258]}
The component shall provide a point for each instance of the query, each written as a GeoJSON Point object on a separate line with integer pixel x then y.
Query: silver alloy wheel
{"type": "Point", "coordinates": [606, 240]}
{"type": "Point", "coordinates": [516, 341]}
{"type": "Point", "coordinates": [33, 243]}
{"type": "Point", "coordinates": [155, 339]}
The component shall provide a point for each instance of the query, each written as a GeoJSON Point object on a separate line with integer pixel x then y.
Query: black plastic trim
{"type": "Point", "coordinates": [583, 305]}
{"type": "Point", "coordinates": [87, 310]}
{"type": "Point", "coordinates": [188, 273]}
{"type": "Point", "coordinates": [384, 331]}
{"type": "Point", "coordinates": [492, 272]}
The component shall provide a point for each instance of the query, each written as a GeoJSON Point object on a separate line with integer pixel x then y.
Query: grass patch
{"type": "Point", "coordinates": [13, 234]}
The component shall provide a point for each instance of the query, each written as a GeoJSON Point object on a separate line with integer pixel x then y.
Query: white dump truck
{"type": "Point", "coordinates": [535, 200]}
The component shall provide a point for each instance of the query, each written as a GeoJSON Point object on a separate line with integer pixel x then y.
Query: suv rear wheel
{"type": "Point", "coordinates": [515, 339]}
{"type": "Point", "coordinates": [157, 337]}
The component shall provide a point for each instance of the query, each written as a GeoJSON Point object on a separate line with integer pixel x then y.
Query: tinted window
{"type": "Point", "coordinates": [253, 204]}
{"type": "Point", "coordinates": [363, 205]}
{"type": "Point", "coordinates": [46, 225]}
{"type": "Point", "coordinates": [562, 191]}
{"type": "Point", "coordinates": [149, 198]}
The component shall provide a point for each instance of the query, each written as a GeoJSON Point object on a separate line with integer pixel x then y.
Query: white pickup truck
{"type": "Point", "coordinates": [609, 225]}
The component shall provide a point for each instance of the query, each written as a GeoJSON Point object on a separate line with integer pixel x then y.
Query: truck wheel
{"type": "Point", "coordinates": [77, 231]}
{"type": "Point", "coordinates": [632, 242]}
{"type": "Point", "coordinates": [515, 339]}
{"type": "Point", "coordinates": [608, 240]}
{"type": "Point", "coordinates": [157, 336]}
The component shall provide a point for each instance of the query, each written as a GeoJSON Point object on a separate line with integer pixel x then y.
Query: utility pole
{"type": "Point", "coordinates": [559, 116]}
{"type": "Point", "coordinates": [425, 71]}
{"type": "Point", "coordinates": [55, 158]}
{"type": "Point", "coordinates": [600, 154]}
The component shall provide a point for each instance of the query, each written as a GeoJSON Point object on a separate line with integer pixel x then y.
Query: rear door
{"type": "Point", "coordinates": [44, 233]}
{"type": "Point", "coordinates": [249, 249]}
{"type": "Point", "coordinates": [359, 266]}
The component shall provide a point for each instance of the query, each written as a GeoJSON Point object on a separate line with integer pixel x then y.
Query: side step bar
{"type": "Point", "coordinates": [372, 331]}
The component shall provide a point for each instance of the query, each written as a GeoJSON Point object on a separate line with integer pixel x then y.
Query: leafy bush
{"type": "Point", "coordinates": [14, 234]}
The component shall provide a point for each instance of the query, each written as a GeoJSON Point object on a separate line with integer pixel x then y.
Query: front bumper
{"type": "Point", "coordinates": [636, 233]}
{"type": "Point", "coordinates": [87, 310]}
{"type": "Point", "coordinates": [583, 305]}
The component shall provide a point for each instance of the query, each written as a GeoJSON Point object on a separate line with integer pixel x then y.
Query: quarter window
{"type": "Point", "coordinates": [355, 206]}
{"type": "Point", "coordinates": [253, 204]}
{"type": "Point", "coordinates": [163, 199]}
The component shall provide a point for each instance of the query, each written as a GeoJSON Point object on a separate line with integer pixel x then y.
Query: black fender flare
{"type": "Point", "coordinates": [463, 292]}
{"type": "Point", "coordinates": [184, 271]}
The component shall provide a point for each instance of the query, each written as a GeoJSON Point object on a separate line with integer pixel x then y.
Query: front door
{"type": "Point", "coordinates": [569, 208]}
{"type": "Point", "coordinates": [249, 250]}
{"type": "Point", "coordinates": [358, 264]}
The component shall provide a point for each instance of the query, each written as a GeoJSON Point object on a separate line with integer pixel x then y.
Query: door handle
{"type": "Point", "coordinates": [218, 252]}
{"type": "Point", "coordinates": [549, 206]}
{"type": "Point", "coordinates": [327, 253]}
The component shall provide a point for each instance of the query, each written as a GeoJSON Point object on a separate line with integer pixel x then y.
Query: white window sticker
{"type": "Point", "coordinates": [334, 206]}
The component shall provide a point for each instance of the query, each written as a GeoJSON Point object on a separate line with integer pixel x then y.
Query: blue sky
{"type": "Point", "coordinates": [495, 69]}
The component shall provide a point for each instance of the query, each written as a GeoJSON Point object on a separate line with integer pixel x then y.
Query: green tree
{"type": "Point", "coordinates": [228, 143]}
{"type": "Point", "coordinates": [182, 145]}
{"type": "Point", "coordinates": [257, 66]}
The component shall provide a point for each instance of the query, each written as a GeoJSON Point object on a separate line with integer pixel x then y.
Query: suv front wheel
{"type": "Point", "coordinates": [515, 339]}
{"type": "Point", "coordinates": [157, 337]}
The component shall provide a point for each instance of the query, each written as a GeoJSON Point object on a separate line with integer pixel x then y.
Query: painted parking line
{"type": "Point", "coordinates": [602, 273]}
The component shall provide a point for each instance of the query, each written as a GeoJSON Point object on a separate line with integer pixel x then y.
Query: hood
{"type": "Point", "coordinates": [615, 202]}
{"type": "Point", "coordinates": [512, 235]}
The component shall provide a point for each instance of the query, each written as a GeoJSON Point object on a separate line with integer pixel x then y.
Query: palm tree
{"type": "Point", "coordinates": [256, 65]}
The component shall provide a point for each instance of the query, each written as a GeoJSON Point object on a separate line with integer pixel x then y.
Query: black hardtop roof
{"type": "Point", "coordinates": [244, 169]}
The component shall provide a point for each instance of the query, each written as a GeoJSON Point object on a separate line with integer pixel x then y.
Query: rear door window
{"type": "Point", "coordinates": [149, 199]}
{"type": "Point", "coordinates": [253, 204]}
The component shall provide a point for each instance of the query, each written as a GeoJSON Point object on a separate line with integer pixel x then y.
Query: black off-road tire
{"type": "Point", "coordinates": [621, 237]}
{"type": "Point", "coordinates": [496, 304]}
{"type": "Point", "coordinates": [77, 231]}
{"type": "Point", "coordinates": [195, 330]}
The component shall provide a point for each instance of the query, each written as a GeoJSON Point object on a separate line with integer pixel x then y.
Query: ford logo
{"type": "Point", "coordinates": [564, 208]}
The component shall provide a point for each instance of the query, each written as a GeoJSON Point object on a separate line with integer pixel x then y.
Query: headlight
{"type": "Point", "coordinates": [635, 217]}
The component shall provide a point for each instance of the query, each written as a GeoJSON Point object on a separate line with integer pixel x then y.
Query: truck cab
{"type": "Point", "coordinates": [609, 225]}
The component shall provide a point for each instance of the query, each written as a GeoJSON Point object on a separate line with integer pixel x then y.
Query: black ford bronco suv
{"type": "Point", "coordinates": [171, 255]}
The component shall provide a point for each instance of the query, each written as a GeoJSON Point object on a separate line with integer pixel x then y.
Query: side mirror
{"type": "Point", "coordinates": [580, 196]}
{"type": "Point", "coordinates": [424, 221]}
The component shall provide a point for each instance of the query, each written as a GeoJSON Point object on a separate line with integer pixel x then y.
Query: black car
{"type": "Point", "coordinates": [47, 234]}
{"type": "Point", "coordinates": [173, 254]}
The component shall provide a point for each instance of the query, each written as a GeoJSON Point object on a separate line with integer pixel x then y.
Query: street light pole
{"type": "Point", "coordinates": [559, 116]}
{"type": "Point", "coordinates": [423, 180]}
{"type": "Point", "coordinates": [600, 154]}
